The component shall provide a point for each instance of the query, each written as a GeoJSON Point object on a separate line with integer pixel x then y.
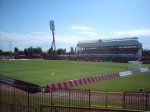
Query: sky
{"type": "Point", "coordinates": [25, 23]}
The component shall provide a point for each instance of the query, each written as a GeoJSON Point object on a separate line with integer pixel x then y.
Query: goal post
{"type": "Point", "coordinates": [134, 65]}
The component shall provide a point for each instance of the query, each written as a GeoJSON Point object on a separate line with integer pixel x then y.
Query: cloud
{"type": "Point", "coordinates": [38, 33]}
{"type": "Point", "coordinates": [143, 32]}
{"type": "Point", "coordinates": [88, 32]}
{"type": "Point", "coordinates": [44, 39]}
{"type": "Point", "coordinates": [36, 39]}
{"type": "Point", "coordinates": [84, 28]}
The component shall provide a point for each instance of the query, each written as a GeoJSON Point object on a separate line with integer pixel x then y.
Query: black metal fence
{"type": "Point", "coordinates": [58, 108]}
{"type": "Point", "coordinates": [13, 99]}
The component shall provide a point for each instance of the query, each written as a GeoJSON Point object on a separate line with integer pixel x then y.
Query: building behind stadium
{"type": "Point", "coordinates": [118, 49]}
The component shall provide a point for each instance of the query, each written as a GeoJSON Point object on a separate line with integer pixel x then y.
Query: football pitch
{"type": "Point", "coordinates": [42, 72]}
{"type": "Point", "coordinates": [127, 83]}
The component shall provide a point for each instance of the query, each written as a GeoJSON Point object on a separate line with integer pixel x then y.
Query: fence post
{"type": "Point", "coordinates": [69, 98]}
{"type": "Point", "coordinates": [106, 99]}
{"type": "Point", "coordinates": [28, 99]}
{"type": "Point", "coordinates": [0, 96]}
{"type": "Point", "coordinates": [146, 101]}
{"type": "Point", "coordinates": [13, 108]}
{"type": "Point", "coordinates": [51, 92]}
{"type": "Point", "coordinates": [89, 99]}
{"type": "Point", "coordinates": [41, 109]}
{"type": "Point", "coordinates": [123, 100]}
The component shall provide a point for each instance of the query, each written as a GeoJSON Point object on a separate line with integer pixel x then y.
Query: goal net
{"type": "Point", "coordinates": [134, 64]}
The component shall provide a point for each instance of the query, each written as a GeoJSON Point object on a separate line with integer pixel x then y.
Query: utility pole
{"type": "Point", "coordinates": [10, 46]}
{"type": "Point", "coordinates": [10, 54]}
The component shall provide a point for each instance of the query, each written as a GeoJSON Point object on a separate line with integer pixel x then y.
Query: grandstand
{"type": "Point", "coordinates": [118, 49]}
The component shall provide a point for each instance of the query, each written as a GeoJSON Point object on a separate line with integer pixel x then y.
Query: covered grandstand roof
{"type": "Point", "coordinates": [133, 41]}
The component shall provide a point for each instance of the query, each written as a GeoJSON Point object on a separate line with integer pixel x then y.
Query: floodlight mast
{"type": "Point", "coordinates": [52, 27]}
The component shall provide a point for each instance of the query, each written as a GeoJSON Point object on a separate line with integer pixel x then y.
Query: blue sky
{"type": "Point", "coordinates": [26, 22]}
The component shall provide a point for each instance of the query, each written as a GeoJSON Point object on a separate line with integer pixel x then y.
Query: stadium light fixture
{"type": "Point", "coordinates": [52, 26]}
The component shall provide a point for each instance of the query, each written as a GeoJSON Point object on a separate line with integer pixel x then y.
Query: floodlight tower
{"type": "Point", "coordinates": [52, 27]}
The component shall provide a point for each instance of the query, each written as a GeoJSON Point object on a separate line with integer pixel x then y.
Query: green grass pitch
{"type": "Point", "coordinates": [43, 72]}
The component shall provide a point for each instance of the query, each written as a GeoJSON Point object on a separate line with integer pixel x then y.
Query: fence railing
{"type": "Point", "coordinates": [13, 99]}
{"type": "Point", "coordinates": [58, 108]}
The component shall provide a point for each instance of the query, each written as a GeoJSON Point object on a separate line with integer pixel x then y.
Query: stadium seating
{"type": "Point", "coordinates": [122, 50]}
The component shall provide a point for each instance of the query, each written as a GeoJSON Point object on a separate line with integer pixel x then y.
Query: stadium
{"type": "Point", "coordinates": [48, 67]}
{"type": "Point", "coordinates": [76, 84]}
{"type": "Point", "coordinates": [118, 49]}
{"type": "Point", "coordinates": [90, 80]}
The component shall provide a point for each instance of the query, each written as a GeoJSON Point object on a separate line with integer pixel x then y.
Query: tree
{"type": "Point", "coordinates": [30, 51]}
{"type": "Point", "coordinates": [6, 53]}
{"type": "Point", "coordinates": [50, 51]}
{"type": "Point", "coordinates": [1, 52]}
{"type": "Point", "coordinates": [16, 51]}
{"type": "Point", "coordinates": [45, 53]}
{"type": "Point", "coordinates": [71, 50]}
{"type": "Point", "coordinates": [75, 51]}
{"type": "Point", "coordinates": [26, 52]}
{"type": "Point", "coordinates": [146, 52]}
{"type": "Point", "coordinates": [38, 51]}
{"type": "Point", "coordinates": [21, 52]}
{"type": "Point", "coordinates": [61, 51]}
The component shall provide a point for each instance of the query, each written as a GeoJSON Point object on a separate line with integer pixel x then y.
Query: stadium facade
{"type": "Point", "coordinates": [110, 49]}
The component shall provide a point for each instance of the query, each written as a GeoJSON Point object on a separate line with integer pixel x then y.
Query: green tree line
{"type": "Point", "coordinates": [31, 51]}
